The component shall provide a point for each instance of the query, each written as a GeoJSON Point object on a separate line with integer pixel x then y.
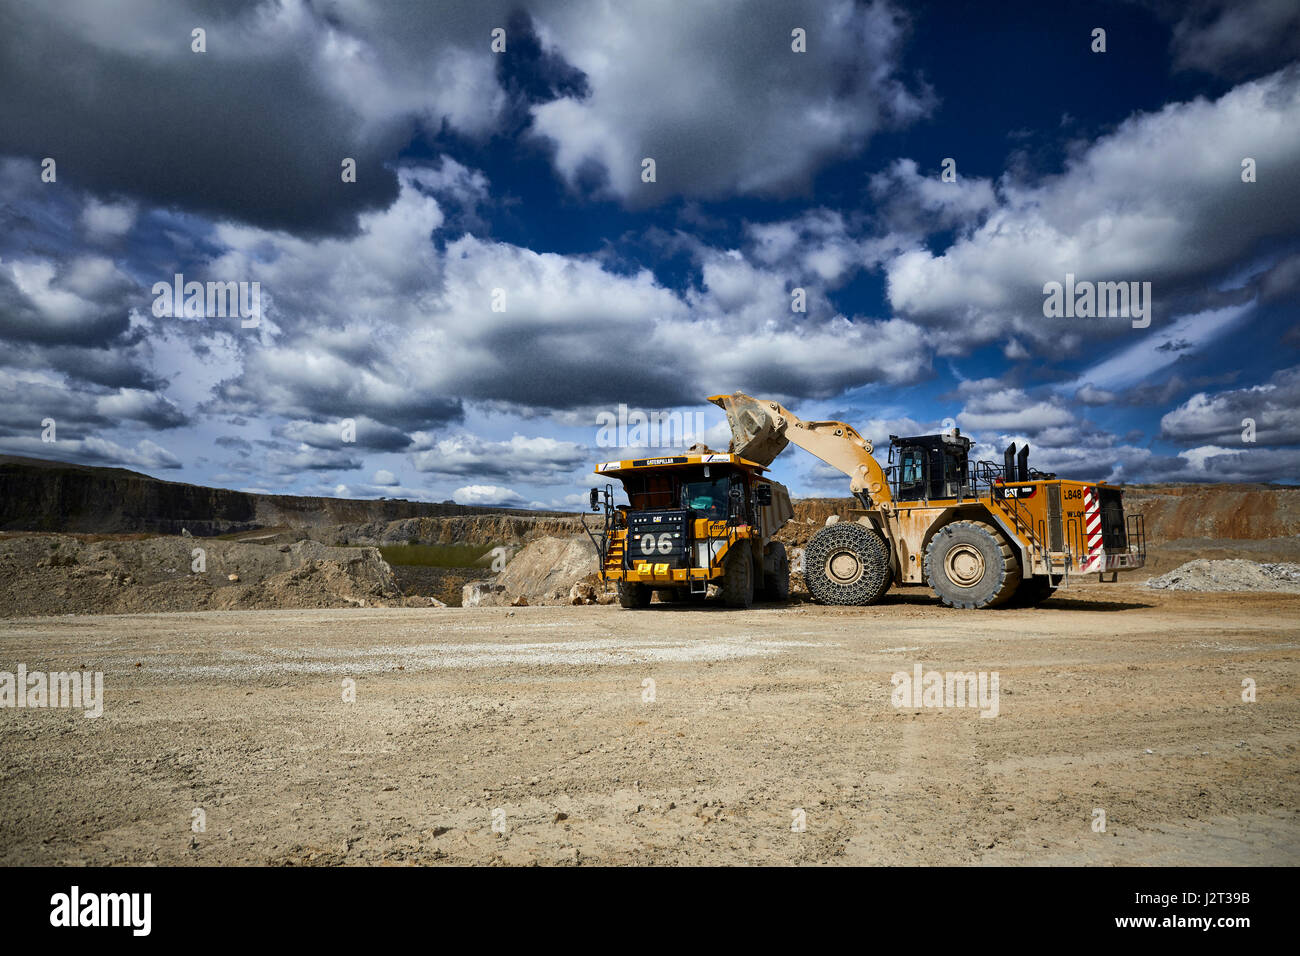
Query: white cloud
{"type": "Point", "coordinates": [1012, 410]}
{"type": "Point", "coordinates": [529, 459]}
{"type": "Point", "coordinates": [305, 458]}
{"type": "Point", "coordinates": [93, 451]}
{"type": "Point", "coordinates": [487, 495]}
{"type": "Point", "coordinates": [384, 326]}
{"type": "Point", "coordinates": [107, 220]}
{"type": "Point", "coordinates": [1273, 406]}
{"type": "Point", "coordinates": [1160, 199]}
{"type": "Point", "coordinates": [921, 203]}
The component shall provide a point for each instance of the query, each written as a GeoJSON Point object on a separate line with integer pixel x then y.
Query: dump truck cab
{"type": "Point", "coordinates": [692, 520]}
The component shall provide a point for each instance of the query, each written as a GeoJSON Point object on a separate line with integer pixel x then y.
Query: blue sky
{"type": "Point", "coordinates": [514, 178]}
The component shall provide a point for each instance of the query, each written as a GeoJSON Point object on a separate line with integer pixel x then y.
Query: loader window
{"type": "Point", "coordinates": [708, 496]}
{"type": "Point", "coordinates": [911, 474]}
{"type": "Point", "coordinates": [913, 462]}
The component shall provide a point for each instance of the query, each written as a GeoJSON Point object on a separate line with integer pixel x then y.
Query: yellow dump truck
{"type": "Point", "coordinates": [692, 520]}
{"type": "Point", "coordinates": [980, 534]}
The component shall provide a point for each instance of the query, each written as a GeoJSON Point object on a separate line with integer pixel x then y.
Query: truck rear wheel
{"type": "Point", "coordinates": [738, 575]}
{"type": "Point", "coordinates": [970, 565]}
{"type": "Point", "coordinates": [776, 573]}
{"type": "Point", "coordinates": [632, 595]}
{"type": "Point", "coordinates": [847, 563]}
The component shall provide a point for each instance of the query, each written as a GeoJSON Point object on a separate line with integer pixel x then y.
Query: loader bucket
{"type": "Point", "coordinates": [755, 432]}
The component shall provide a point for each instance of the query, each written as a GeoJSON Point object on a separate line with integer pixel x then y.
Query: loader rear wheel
{"type": "Point", "coordinates": [776, 573]}
{"type": "Point", "coordinates": [847, 563]}
{"type": "Point", "coordinates": [1032, 592]}
{"type": "Point", "coordinates": [632, 595]}
{"type": "Point", "coordinates": [970, 565]}
{"type": "Point", "coordinates": [738, 575]}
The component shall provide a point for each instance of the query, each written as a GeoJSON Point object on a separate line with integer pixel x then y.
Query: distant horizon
{"type": "Point", "coordinates": [5, 457]}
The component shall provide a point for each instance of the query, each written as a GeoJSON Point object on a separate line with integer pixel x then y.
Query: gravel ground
{"type": "Point", "coordinates": [1113, 698]}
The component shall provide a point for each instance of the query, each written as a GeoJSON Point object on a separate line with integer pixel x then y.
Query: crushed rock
{"type": "Point", "coordinates": [546, 571]}
{"type": "Point", "coordinates": [1229, 575]}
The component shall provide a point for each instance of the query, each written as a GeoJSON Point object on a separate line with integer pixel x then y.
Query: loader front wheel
{"type": "Point", "coordinates": [847, 563]}
{"type": "Point", "coordinates": [970, 565]}
{"type": "Point", "coordinates": [738, 575]}
{"type": "Point", "coordinates": [632, 595]}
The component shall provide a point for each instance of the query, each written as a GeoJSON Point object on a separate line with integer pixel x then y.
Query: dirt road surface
{"type": "Point", "coordinates": [530, 736]}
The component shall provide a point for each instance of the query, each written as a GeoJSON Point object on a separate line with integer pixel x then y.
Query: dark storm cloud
{"type": "Point", "coordinates": [254, 129]}
{"type": "Point", "coordinates": [1232, 38]}
{"type": "Point", "coordinates": [121, 364]}
{"type": "Point", "coordinates": [239, 445]}
{"type": "Point", "coordinates": [24, 405]}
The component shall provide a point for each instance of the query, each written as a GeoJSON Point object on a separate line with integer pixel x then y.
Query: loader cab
{"type": "Point", "coordinates": [930, 466]}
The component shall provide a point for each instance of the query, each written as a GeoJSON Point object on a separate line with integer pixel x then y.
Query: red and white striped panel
{"type": "Point", "coordinates": [1096, 557]}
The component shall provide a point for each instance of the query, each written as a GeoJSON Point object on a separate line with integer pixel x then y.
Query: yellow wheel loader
{"type": "Point", "coordinates": [979, 534]}
{"type": "Point", "coordinates": [693, 520]}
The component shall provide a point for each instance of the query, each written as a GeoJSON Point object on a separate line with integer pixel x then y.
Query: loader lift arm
{"type": "Point", "coordinates": [761, 429]}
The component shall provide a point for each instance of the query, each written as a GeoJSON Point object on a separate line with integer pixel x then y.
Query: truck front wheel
{"type": "Point", "coordinates": [738, 575]}
{"type": "Point", "coordinates": [776, 573]}
{"type": "Point", "coordinates": [632, 595]}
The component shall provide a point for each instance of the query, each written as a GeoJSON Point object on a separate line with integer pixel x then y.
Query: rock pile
{"type": "Point", "coordinates": [1229, 575]}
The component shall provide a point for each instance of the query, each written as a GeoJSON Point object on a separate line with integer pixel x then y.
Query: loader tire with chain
{"type": "Point", "coordinates": [847, 563]}
{"type": "Point", "coordinates": [970, 565]}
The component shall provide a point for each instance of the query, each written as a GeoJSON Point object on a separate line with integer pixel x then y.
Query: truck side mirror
{"type": "Point", "coordinates": [595, 499]}
{"type": "Point", "coordinates": [763, 495]}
